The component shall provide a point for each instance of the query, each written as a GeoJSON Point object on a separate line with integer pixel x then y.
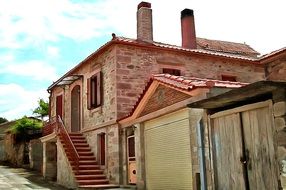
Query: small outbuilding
{"type": "Point", "coordinates": [246, 129]}
{"type": "Point", "coordinates": [161, 142]}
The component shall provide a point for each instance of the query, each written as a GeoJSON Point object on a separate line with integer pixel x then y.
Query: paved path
{"type": "Point", "coordinates": [21, 179]}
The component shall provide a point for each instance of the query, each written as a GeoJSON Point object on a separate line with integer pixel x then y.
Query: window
{"type": "Point", "coordinates": [94, 91]}
{"type": "Point", "coordinates": [228, 78]}
{"type": "Point", "coordinates": [175, 72]}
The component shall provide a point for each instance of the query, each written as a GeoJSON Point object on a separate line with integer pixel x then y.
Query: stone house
{"type": "Point", "coordinates": [208, 146]}
{"type": "Point", "coordinates": [85, 143]}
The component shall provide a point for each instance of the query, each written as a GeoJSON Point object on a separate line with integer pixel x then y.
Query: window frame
{"type": "Point", "coordinates": [171, 71]}
{"type": "Point", "coordinates": [94, 91]}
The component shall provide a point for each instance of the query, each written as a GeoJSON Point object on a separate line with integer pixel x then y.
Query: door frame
{"type": "Point", "coordinates": [61, 98]}
{"type": "Point", "coordinates": [79, 107]}
{"type": "Point", "coordinates": [240, 109]}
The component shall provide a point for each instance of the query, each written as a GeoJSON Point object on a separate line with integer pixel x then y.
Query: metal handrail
{"type": "Point", "coordinates": [65, 136]}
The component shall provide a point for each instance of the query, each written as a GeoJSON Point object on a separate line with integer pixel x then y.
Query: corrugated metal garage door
{"type": "Point", "coordinates": [167, 152]}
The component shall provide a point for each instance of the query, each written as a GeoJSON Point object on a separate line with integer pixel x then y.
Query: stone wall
{"type": "Point", "coordinates": [90, 118]}
{"type": "Point", "coordinates": [112, 149]}
{"type": "Point", "coordinates": [279, 112]}
{"type": "Point", "coordinates": [36, 154]}
{"type": "Point", "coordinates": [3, 156]}
{"type": "Point", "coordinates": [276, 70]}
{"type": "Point", "coordinates": [14, 150]}
{"type": "Point", "coordinates": [134, 67]}
{"type": "Point", "coordinates": [50, 160]}
{"type": "Point", "coordinates": [65, 175]}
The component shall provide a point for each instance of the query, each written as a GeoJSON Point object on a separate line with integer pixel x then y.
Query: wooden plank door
{"type": "Point", "coordinates": [243, 148]}
{"type": "Point", "coordinates": [258, 137]}
{"type": "Point", "coordinates": [227, 151]}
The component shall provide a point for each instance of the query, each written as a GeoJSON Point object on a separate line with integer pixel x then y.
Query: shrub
{"type": "Point", "coordinates": [23, 125]}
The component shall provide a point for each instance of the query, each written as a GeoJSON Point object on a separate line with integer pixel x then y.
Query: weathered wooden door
{"type": "Point", "coordinates": [243, 150]}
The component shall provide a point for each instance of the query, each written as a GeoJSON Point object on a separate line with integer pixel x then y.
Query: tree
{"type": "Point", "coordinates": [24, 124]}
{"type": "Point", "coordinates": [42, 110]}
{"type": "Point", "coordinates": [3, 120]}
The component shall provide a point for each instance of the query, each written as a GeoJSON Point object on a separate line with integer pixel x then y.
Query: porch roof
{"type": "Point", "coordinates": [251, 93]}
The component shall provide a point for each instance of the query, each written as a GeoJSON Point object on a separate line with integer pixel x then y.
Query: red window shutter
{"type": "Point", "coordinates": [88, 94]}
{"type": "Point", "coordinates": [59, 106]}
{"type": "Point", "coordinates": [99, 89]}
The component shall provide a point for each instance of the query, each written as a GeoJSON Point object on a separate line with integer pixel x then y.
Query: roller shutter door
{"type": "Point", "coordinates": [168, 152]}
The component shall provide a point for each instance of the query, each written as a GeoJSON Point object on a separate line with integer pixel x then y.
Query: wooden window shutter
{"type": "Point", "coordinates": [99, 89]}
{"type": "Point", "coordinates": [88, 94]}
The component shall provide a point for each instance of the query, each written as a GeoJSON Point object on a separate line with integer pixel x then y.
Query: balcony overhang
{"type": "Point", "coordinates": [65, 81]}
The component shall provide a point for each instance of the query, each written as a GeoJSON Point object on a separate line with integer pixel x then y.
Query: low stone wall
{"type": "Point", "coordinates": [65, 175]}
{"type": "Point", "coordinates": [14, 150]}
{"type": "Point", "coordinates": [3, 156]}
{"type": "Point", "coordinates": [36, 155]}
{"type": "Point", "coordinates": [279, 112]}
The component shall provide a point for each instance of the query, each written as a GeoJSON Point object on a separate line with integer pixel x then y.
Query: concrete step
{"type": "Point", "coordinates": [88, 172]}
{"type": "Point", "coordinates": [78, 145]}
{"type": "Point", "coordinates": [83, 149]}
{"type": "Point", "coordinates": [87, 167]}
{"type": "Point", "coordinates": [99, 187]}
{"type": "Point", "coordinates": [77, 137]}
{"type": "Point", "coordinates": [76, 141]}
{"type": "Point", "coordinates": [92, 182]}
{"type": "Point", "coordinates": [87, 158]}
{"type": "Point", "coordinates": [90, 177]}
{"type": "Point", "coordinates": [85, 162]}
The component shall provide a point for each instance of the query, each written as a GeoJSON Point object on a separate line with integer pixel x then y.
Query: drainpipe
{"type": "Point", "coordinates": [201, 147]}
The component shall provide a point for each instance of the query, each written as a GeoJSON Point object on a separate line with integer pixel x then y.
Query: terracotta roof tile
{"type": "Point", "coordinates": [273, 53]}
{"type": "Point", "coordinates": [226, 47]}
{"type": "Point", "coordinates": [185, 83]}
{"type": "Point", "coordinates": [230, 50]}
{"type": "Point", "coordinates": [190, 83]}
{"type": "Point", "coordinates": [216, 49]}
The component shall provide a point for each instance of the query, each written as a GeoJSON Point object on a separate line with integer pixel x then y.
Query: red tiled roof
{"type": "Point", "coordinates": [231, 53]}
{"type": "Point", "coordinates": [190, 83]}
{"type": "Point", "coordinates": [226, 47]}
{"type": "Point", "coordinates": [222, 49]}
{"type": "Point", "coordinates": [186, 84]}
{"type": "Point", "coordinates": [276, 52]}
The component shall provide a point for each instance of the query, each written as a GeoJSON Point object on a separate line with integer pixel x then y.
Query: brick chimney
{"type": "Point", "coordinates": [144, 22]}
{"type": "Point", "coordinates": [188, 29]}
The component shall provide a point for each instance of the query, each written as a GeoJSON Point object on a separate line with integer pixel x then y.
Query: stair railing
{"type": "Point", "coordinates": [68, 142]}
{"type": "Point", "coordinates": [50, 126]}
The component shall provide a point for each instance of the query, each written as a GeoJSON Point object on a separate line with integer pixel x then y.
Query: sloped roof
{"type": "Point", "coordinates": [229, 50]}
{"type": "Point", "coordinates": [216, 48]}
{"type": "Point", "coordinates": [190, 83]}
{"type": "Point", "coordinates": [185, 84]}
{"type": "Point", "coordinates": [273, 54]}
{"type": "Point", "coordinates": [226, 47]}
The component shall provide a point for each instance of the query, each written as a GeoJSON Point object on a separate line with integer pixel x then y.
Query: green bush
{"type": "Point", "coordinates": [23, 125]}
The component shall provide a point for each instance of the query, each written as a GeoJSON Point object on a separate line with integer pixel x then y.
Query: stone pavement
{"type": "Point", "coordinates": [22, 179]}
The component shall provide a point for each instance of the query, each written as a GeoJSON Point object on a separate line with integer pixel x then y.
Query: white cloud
{"type": "Point", "coordinates": [36, 69]}
{"type": "Point", "coordinates": [17, 101]}
{"type": "Point", "coordinates": [53, 51]}
{"type": "Point", "coordinates": [32, 22]}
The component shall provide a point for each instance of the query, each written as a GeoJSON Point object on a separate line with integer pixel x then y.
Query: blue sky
{"type": "Point", "coordinates": [40, 40]}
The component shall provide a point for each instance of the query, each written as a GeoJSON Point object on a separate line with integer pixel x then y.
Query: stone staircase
{"type": "Point", "coordinates": [88, 174]}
